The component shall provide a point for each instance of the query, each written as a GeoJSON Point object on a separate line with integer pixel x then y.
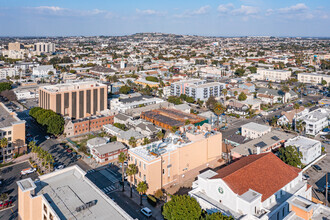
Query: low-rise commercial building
{"type": "Point", "coordinates": [165, 163]}
{"type": "Point", "coordinates": [309, 148]}
{"type": "Point", "coordinates": [269, 141]}
{"type": "Point", "coordinates": [254, 187]}
{"type": "Point", "coordinates": [169, 118]}
{"type": "Point", "coordinates": [13, 129]}
{"type": "Point", "coordinates": [43, 71]}
{"type": "Point", "coordinates": [86, 125]}
{"type": "Point", "coordinates": [253, 130]}
{"type": "Point", "coordinates": [65, 194]}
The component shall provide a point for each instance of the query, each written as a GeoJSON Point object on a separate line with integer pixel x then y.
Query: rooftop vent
{"type": "Point", "coordinates": [261, 144]}
{"type": "Point", "coordinates": [275, 138]}
{"type": "Point", "coordinates": [86, 205]}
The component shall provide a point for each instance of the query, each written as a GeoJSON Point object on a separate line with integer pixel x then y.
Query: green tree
{"type": "Point", "coordinates": [152, 79]}
{"type": "Point", "coordinates": [120, 126]}
{"type": "Point", "coordinates": [291, 156]}
{"type": "Point", "coordinates": [240, 72]}
{"type": "Point", "coordinates": [5, 86]}
{"type": "Point", "coordinates": [3, 145]}
{"type": "Point", "coordinates": [324, 82]}
{"type": "Point", "coordinates": [160, 135]}
{"type": "Point", "coordinates": [131, 171]}
{"type": "Point", "coordinates": [242, 97]}
{"type": "Point", "coordinates": [55, 125]}
{"type": "Point", "coordinates": [125, 89]}
{"type": "Point", "coordinates": [175, 100]}
{"type": "Point", "coordinates": [253, 69]}
{"type": "Point", "coordinates": [121, 159]}
{"type": "Point", "coordinates": [218, 216]}
{"type": "Point", "coordinates": [211, 102]}
{"type": "Point", "coordinates": [142, 188]}
{"type": "Point", "coordinates": [174, 128]}
{"type": "Point", "coordinates": [146, 141]}
{"type": "Point", "coordinates": [225, 92]}
{"type": "Point", "coordinates": [132, 141]}
{"type": "Point", "coordinates": [3, 197]}
{"type": "Point", "coordinates": [219, 110]}
{"type": "Point", "coordinates": [182, 207]}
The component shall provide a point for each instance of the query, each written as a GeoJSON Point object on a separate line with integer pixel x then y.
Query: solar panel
{"type": "Point", "coordinates": [275, 138]}
{"type": "Point", "coordinates": [261, 144]}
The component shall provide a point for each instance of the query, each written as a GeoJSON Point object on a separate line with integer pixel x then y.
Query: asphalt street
{"type": "Point", "coordinates": [10, 175]}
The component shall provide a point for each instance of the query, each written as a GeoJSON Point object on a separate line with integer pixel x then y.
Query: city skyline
{"type": "Point", "coordinates": [208, 18]}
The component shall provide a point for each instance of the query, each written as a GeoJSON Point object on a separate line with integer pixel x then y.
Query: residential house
{"type": "Point", "coordinates": [253, 130]}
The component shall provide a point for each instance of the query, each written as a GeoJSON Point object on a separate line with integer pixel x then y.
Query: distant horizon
{"type": "Point", "coordinates": [225, 18]}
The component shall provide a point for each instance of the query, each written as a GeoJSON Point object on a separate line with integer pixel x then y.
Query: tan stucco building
{"type": "Point", "coordinates": [179, 157]}
{"type": "Point", "coordinates": [65, 194]}
{"type": "Point", "coordinates": [12, 128]}
{"type": "Point", "coordinates": [76, 100]}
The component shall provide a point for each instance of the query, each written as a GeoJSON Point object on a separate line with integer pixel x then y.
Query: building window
{"type": "Point", "coordinates": [163, 171]}
{"type": "Point", "coordinates": [144, 178]}
{"type": "Point", "coordinates": [45, 208]}
{"type": "Point", "coordinates": [9, 132]}
{"type": "Point", "coordinates": [51, 216]}
{"type": "Point", "coordinates": [140, 164]}
{"type": "Point", "coordinates": [140, 174]}
{"type": "Point", "coordinates": [144, 166]}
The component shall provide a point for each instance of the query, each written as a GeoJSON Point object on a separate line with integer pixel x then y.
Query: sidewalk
{"type": "Point", "coordinates": [22, 158]}
{"type": "Point", "coordinates": [156, 211]}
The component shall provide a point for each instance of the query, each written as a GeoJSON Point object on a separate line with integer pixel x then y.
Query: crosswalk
{"type": "Point", "coordinates": [108, 189]}
{"type": "Point", "coordinates": [109, 176]}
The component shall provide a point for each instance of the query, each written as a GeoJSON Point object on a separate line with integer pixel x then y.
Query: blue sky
{"type": "Point", "coordinates": [201, 17]}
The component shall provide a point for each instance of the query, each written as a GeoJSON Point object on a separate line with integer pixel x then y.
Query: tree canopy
{"type": "Point", "coordinates": [53, 122]}
{"type": "Point", "coordinates": [5, 86]}
{"type": "Point", "coordinates": [290, 156]}
{"type": "Point", "coordinates": [242, 97]}
{"type": "Point", "coordinates": [182, 207]}
{"type": "Point", "coordinates": [152, 79]}
{"type": "Point", "coordinates": [125, 89]}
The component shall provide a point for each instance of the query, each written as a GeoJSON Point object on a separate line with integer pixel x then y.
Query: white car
{"type": "Point", "coordinates": [47, 137]}
{"type": "Point", "coordinates": [146, 211]}
{"type": "Point", "coordinates": [60, 167]}
{"type": "Point", "coordinates": [28, 171]}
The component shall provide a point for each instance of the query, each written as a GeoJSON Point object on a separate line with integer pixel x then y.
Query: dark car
{"type": "Point", "coordinates": [73, 154]}
{"type": "Point", "coordinates": [316, 167]}
{"type": "Point", "coordinates": [65, 147]}
{"type": "Point", "coordinates": [78, 157]}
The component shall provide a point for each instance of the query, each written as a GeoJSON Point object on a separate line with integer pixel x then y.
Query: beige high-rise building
{"type": "Point", "coordinates": [75, 100]}
{"type": "Point", "coordinates": [44, 47]}
{"type": "Point", "coordinates": [15, 46]}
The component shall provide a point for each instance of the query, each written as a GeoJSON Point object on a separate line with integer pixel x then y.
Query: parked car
{"type": "Point", "coordinates": [47, 137]}
{"type": "Point", "coordinates": [6, 203]}
{"type": "Point", "coordinates": [78, 157]}
{"type": "Point", "coordinates": [74, 154]}
{"type": "Point", "coordinates": [65, 147]}
{"type": "Point", "coordinates": [146, 211]}
{"type": "Point", "coordinates": [60, 167]}
{"type": "Point", "coordinates": [28, 171]}
{"type": "Point", "coordinates": [306, 177]}
{"type": "Point", "coordinates": [69, 150]}
{"type": "Point", "coordinates": [316, 167]}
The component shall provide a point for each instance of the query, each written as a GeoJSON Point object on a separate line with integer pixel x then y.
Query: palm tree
{"type": "Point", "coordinates": [219, 110]}
{"type": "Point", "coordinates": [121, 159]}
{"type": "Point", "coordinates": [3, 145]}
{"type": "Point", "coordinates": [285, 89]}
{"type": "Point", "coordinates": [32, 145]}
{"type": "Point", "coordinates": [296, 106]}
{"type": "Point", "coordinates": [160, 135]}
{"type": "Point", "coordinates": [225, 92]}
{"type": "Point", "coordinates": [131, 171]}
{"type": "Point", "coordinates": [132, 141]}
{"type": "Point", "coordinates": [270, 85]}
{"type": "Point", "coordinates": [187, 122]}
{"type": "Point", "coordinates": [142, 188]}
{"type": "Point", "coordinates": [146, 141]}
{"type": "Point", "coordinates": [50, 160]}
{"type": "Point", "coordinates": [302, 87]}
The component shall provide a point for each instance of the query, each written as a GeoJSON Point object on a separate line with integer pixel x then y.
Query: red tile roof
{"type": "Point", "coordinates": [264, 173]}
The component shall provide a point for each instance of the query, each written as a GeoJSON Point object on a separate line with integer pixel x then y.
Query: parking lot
{"type": "Point", "coordinates": [318, 178]}
{"type": "Point", "coordinates": [10, 175]}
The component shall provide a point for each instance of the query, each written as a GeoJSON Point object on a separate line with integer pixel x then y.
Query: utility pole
{"type": "Point", "coordinates": [326, 189]}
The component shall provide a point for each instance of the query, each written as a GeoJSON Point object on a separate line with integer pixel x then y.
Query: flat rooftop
{"type": "Point", "coordinates": [7, 118]}
{"type": "Point", "coordinates": [153, 150]}
{"type": "Point", "coordinates": [317, 115]}
{"type": "Point", "coordinates": [302, 142]}
{"type": "Point", "coordinates": [68, 189]}
{"type": "Point", "coordinates": [73, 86]}
{"type": "Point", "coordinates": [256, 127]}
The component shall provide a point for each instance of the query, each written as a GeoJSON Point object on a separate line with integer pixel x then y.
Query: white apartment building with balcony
{"type": "Point", "coordinates": [316, 120]}
{"type": "Point", "coordinates": [313, 78]}
{"type": "Point", "coordinates": [272, 75]}
{"type": "Point", "coordinates": [198, 89]}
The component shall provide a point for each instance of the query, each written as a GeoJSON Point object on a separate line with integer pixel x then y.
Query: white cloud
{"type": "Point", "coordinates": [202, 10]}
{"type": "Point", "coordinates": [300, 7]}
{"type": "Point", "coordinates": [149, 12]}
{"type": "Point", "coordinates": [225, 8]}
{"type": "Point", "coordinates": [245, 10]}
{"type": "Point", "coordinates": [50, 8]}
